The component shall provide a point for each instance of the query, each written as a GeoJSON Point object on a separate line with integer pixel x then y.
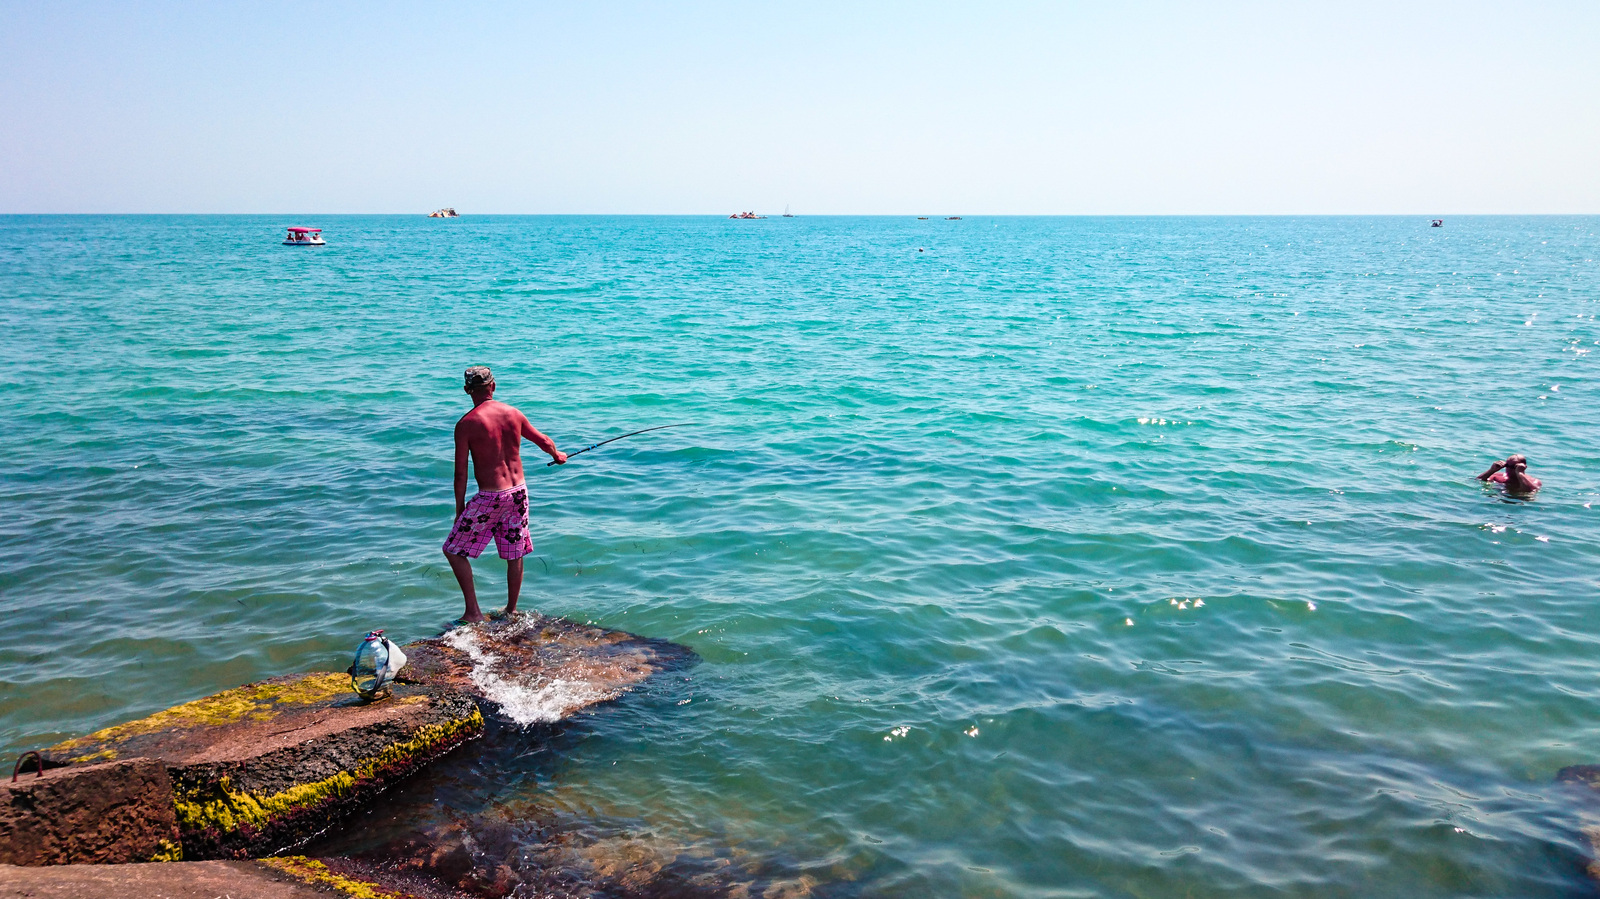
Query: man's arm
{"type": "Point", "coordinates": [542, 442]}
{"type": "Point", "coordinates": [461, 469]}
{"type": "Point", "coordinates": [1492, 469]}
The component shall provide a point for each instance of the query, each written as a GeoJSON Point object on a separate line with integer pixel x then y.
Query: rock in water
{"type": "Point", "coordinates": [1585, 781]}
{"type": "Point", "coordinates": [260, 768]}
{"type": "Point", "coordinates": [539, 669]}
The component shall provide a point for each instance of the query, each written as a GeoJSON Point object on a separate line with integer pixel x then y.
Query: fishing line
{"type": "Point", "coordinates": [619, 437]}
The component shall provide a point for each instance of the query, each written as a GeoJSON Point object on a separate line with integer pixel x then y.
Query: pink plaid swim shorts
{"type": "Point", "coordinates": [501, 514]}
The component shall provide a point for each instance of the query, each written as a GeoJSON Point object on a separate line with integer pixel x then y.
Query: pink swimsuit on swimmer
{"type": "Point", "coordinates": [501, 514]}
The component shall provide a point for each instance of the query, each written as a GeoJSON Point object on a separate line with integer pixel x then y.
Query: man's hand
{"type": "Point", "coordinates": [560, 457]}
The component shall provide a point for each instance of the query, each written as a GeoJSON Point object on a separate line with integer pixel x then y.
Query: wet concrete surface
{"type": "Point", "coordinates": [171, 880]}
{"type": "Point", "coordinates": [539, 669]}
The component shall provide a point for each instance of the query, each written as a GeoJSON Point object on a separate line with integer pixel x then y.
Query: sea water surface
{"type": "Point", "coordinates": [1024, 557]}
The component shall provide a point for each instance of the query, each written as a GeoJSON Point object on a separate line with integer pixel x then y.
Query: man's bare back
{"type": "Point", "coordinates": [490, 436]}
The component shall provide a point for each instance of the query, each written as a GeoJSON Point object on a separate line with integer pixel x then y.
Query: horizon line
{"type": "Point", "coordinates": [931, 215]}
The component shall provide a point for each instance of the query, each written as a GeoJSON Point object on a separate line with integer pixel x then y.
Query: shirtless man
{"type": "Point", "coordinates": [492, 434]}
{"type": "Point", "coordinates": [1512, 474]}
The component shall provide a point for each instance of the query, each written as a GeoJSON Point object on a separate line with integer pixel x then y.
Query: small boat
{"type": "Point", "coordinates": [746, 215]}
{"type": "Point", "coordinates": [786, 213]}
{"type": "Point", "coordinates": [922, 218]}
{"type": "Point", "coordinates": [1438, 223]}
{"type": "Point", "coordinates": [304, 237]}
{"type": "Point", "coordinates": [952, 218]}
{"type": "Point", "coordinates": [445, 213]}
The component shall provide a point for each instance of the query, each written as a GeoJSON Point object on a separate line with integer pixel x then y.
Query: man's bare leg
{"type": "Point", "coordinates": [513, 584]}
{"type": "Point", "coordinates": [462, 567]}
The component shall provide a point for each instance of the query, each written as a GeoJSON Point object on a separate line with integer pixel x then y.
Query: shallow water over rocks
{"type": "Point", "coordinates": [537, 669]}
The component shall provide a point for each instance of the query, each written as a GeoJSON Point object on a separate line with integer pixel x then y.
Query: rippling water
{"type": "Point", "coordinates": [1025, 557]}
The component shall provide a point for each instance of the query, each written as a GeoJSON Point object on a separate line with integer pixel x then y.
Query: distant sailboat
{"type": "Point", "coordinates": [786, 211]}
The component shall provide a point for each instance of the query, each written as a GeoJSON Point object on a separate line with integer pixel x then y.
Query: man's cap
{"type": "Point", "coordinates": [479, 377]}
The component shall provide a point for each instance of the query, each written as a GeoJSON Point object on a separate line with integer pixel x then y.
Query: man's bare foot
{"type": "Point", "coordinates": [503, 614]}
{"type": "Point", "coordinates": [476, 619]}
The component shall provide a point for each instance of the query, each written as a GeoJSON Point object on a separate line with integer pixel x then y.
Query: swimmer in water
{"type": "Point", "coordinates": [1512, 475]}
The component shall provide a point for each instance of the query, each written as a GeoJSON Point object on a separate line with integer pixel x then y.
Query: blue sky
{"type": "Point", "coordinates": [848, 108]}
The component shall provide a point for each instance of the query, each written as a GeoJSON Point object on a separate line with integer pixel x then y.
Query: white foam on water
{"type": "Point", "coordinates": [526, 700]}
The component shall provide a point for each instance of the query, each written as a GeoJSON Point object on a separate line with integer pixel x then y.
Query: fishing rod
{"type": "Point", "coordinates": [619, 437]}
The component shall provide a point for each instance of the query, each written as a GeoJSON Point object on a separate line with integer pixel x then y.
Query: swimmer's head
{"type": "Point", "coordinates": [1517, 463]}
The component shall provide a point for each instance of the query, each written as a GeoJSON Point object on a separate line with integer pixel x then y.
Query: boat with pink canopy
{"type": "Point", "coordinates": [304, 237]}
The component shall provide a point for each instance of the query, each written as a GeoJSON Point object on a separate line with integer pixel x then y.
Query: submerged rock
{"type": "Point", "coordinates": [538, 669]}
{"type": "Point", "coordinates": [263, 767]}
{"type": "Point", "coordinates": [1586, 780]}
{"type": "Point", "coordinates": [495, 858]}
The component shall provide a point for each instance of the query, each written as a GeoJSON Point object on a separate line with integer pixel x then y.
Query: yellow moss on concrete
{"type": "Point", "coordinates": [168, 851]}
{"type": "Point", "coordinates": [313, 872]}
{"type": "Point", "coordinates": [238, 808]}
{"type": "Point", "coordinates": [256, 702]}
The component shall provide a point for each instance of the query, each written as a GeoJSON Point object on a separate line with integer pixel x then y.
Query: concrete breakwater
{"type": "Point", "coordinates": [257, 770]}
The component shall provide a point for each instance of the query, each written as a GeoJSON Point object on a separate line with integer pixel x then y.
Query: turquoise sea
{"type": "Point", "coordinates": [1024, 557]}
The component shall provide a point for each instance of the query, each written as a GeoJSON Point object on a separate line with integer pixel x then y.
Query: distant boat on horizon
{"type": "Point", "coordinates": [786, 211]}
{"type": "Point", "coordinates": [1438, 223]}
{"type": "Point", "coordinates": [304, 237]}
{"type": "Point", "coordinates": [747, 215]}
{"type": "Point", "coordinates": [952, 218]}
{"type": "Point", "coordinates": [446, 213]}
